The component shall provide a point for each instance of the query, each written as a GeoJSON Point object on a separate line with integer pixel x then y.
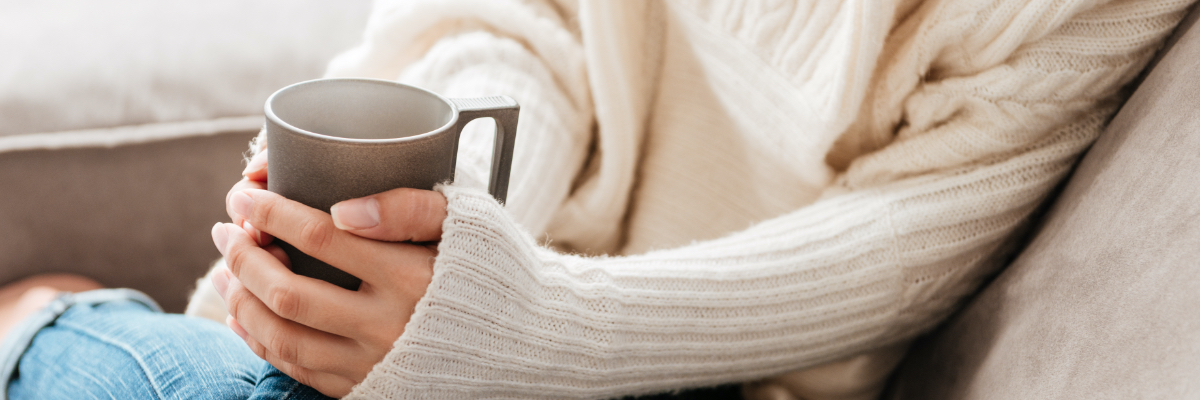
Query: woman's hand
{"type": "Point", "coordinates": [253, 177]}
{"type": "Point", "coordinates": [322, 335]}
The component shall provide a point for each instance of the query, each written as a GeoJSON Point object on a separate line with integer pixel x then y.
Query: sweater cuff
{"type": "Point", "coordinates": [468, 334]}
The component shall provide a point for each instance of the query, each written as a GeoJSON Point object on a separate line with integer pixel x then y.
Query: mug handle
{"type": "Point", "coordinates": [504, 110]}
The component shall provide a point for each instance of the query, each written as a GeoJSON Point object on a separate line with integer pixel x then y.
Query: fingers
{"type": "Point", "coordinates": [279, 255]}
{"type": "Point", "coordinates": [260, 238]}
{"type": "Point", "coordinates": [245, 183]}
{"type": "Point", "coordinates": [310, 302]}
{"type": "Point", "coordinates": [254, 177]}
{"type": "Point", "coordinates": [399, 215]}
{"type": "Point", "coordinates": [289, 341]}
{"type": "Point", "coordinates": [314, 233]}
{"type": "Point", "coordinates": [326, 383]}
{"type": "Point", "coordinates": [256, 169]}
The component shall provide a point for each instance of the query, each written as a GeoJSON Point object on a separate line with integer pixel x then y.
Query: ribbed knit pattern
{"type": "Point", "coordinates": [505, 318]}
{"type": "Point", "coordinates": [821, 181]}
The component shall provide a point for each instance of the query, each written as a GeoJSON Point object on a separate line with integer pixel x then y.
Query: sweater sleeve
{"type": "Point", "coordinates": [907, 232]}
{"type": "Point", "coordinates": [504, 318]}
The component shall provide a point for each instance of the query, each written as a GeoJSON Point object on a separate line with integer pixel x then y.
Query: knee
{"type": "Point", "coordinates": [130, 352]}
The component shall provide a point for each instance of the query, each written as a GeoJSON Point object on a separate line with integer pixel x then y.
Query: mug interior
{"type": "Point", "coordinates": [359, 109]}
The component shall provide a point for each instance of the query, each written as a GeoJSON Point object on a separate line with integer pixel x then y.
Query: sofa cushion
{"type": "Point", "coordinates": [1102, 303]}
{"type": "Point", "coordinates": [80, 64]}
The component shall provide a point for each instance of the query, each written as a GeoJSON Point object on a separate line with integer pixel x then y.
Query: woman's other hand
{"type": "Point", "coordinates": [253, 177]}
{"type": "Point", "coordinates": [322, 335]}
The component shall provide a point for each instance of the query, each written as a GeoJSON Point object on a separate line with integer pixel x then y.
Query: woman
{"type": "Point", "coordinates": [785, 195]}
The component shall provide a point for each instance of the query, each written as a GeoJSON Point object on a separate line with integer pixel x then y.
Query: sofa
{"type": "Point", "coordinates": [122, 125]}
{"type": "Point", "coordinates": [1103, 301]}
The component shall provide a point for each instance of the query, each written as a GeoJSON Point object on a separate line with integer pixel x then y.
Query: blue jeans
{"type": "Point", "coordinates": [116, 343]}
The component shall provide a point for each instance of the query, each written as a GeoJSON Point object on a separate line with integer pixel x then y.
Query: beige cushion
{"type": "Point", "coordinates": [81, 64]}
{"type": "Point", "coordinates": [1104, 303]}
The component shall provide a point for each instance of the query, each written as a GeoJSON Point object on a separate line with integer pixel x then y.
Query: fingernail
{"type": "Point", "coordinates": [242, 204]}
{"type": "Point", "coordinates": [257, 163]}
{"type": "Point", "coordinates": [254, 233]}
{"type": "Point", "coordinates": [220, 237]}
{"type": "Point", "coordinates": [220, 281]}
{"type": "Point", "coordinates": [361, 213]}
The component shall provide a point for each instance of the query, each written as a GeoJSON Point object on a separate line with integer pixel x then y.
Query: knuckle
{"type": "Point", "coordinates": [412, 214]}
{"type": "Point", "coordinates": [284, 301]}
{"type": "Point", "coordinates": [316, 235]}
{"type": "Point", "coordinates": [427, 214]}
{"type": "Point", "coordinates": [257, 348]}
{"type": "Point", "coordinates": [236, 258]}
{"type": "Point", "coordinates": [299, 374]}
{"type": "Point", "coordinates": [284, 348]}
{"type": "Point", "coordinates": [235, 301]}
{"type": "Point", "coordinates": [382, 339]}
{"type": "Point", "coordinates": [410, 196]}
{"type": "Point", "coordinates": [264, 212]}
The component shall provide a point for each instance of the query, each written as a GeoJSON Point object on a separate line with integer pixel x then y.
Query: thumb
{"type": "Point", "coordinates": [398, 215]}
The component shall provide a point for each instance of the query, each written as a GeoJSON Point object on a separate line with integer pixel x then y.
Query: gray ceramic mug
{"type": "Point", "coordinates": [338, 139]}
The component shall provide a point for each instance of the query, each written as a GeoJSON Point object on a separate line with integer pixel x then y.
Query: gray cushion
{"type": "Point", "coordinates": [1103, 301]}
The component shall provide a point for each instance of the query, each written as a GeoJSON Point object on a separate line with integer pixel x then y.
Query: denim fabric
{"type": "Point", "coordinates": [114, 344]}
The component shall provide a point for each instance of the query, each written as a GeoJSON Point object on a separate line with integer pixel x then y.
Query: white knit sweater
{"type": "Point", "coordinates": [823, 181]}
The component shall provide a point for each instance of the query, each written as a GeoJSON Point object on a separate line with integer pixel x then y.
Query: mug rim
{"type": "Point", "coordinates": [270, 113]}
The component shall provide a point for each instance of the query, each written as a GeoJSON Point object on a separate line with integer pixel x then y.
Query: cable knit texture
{"type": "Point", "coordinates": [770, 187]}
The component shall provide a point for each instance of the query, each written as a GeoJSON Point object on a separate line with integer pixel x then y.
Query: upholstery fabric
{"type": "Point", "coordinates": [78, 64]}
{"type": "Point", "coordinates": [1102, 302]}
{"type": "Point", "coordinates": [122, 124]}
{"type": "Point", "coordinates": [135, 216]}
